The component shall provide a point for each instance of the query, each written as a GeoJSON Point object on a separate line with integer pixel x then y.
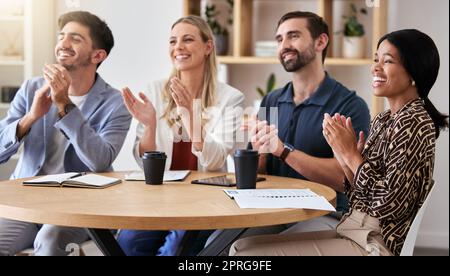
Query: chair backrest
{"type": "Point", "coordinates": [410, 241]}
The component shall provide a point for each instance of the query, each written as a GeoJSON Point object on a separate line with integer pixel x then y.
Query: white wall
{"type": "Point", "coordinates": [141, 30]}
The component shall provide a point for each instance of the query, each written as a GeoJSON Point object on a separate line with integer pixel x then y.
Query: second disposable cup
{"type": "Point", "coordinates": [246, 168]}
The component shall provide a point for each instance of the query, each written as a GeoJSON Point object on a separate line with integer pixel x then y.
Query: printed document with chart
{"type": "Point", "coordinates": [279, 199]}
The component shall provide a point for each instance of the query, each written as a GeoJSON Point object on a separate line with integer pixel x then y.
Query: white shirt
{"type": "Point", "coordinates": [220, 131]}
{"type": "Point", "coordinates": [54, 156]}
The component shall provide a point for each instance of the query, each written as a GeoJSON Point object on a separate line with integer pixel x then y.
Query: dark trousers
{"type": "Point", "coordinates": [158, 243]}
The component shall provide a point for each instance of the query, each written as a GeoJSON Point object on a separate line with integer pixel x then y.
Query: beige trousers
{"type": "Point", "coordinates": [358, 234]}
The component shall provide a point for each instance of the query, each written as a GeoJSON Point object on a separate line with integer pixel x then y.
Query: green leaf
{"type": "Point", "coordinates": [271, 83]}
{"type": "Point", "coordinates": [269, 86]}
{"type": "Point", "coordinates": [260, 92]}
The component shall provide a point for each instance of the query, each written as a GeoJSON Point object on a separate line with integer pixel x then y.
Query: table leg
{"type": "Point", "coordinates": [106, 242]}
{"type": "Point", "coordinates": [222, 242]}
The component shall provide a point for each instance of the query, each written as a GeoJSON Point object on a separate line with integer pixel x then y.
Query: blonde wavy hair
{"type": "Point", "coordinates": [209, 75]}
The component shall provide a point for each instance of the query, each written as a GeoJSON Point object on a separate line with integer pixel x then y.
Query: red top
{"type": "Point", "coordinates": [182, 157]}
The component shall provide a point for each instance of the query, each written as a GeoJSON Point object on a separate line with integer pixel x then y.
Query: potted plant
{"type": "Point", "coordinates": [354, 43]}
{"type": "Point", "coordinates": [221, 34]}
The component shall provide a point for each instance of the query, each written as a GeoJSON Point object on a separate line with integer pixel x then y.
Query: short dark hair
{"type": "Point", "coordinates": [420, 58]}
{"type": "Point", "coordinates": [100, 33]}
{"type": "Point", "coordinates": [316, 25]}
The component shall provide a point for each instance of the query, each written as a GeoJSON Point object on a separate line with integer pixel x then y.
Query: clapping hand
{"type": "Point", "coordinates": [264, 137]}
{"type": "Point", "coordinates": [183, 98]}
{"type": "Point", "coordinates": [340, 135]}
{"type": "Point", "coordinates": [59, 80]}
{"type": "Point", "coordinates": [142, 110]}
{"type": "Point", "coordinates": [41, 103]}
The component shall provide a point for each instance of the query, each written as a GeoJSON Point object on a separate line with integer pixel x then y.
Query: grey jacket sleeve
{"type": "Point", "coordinates": [97, 149]}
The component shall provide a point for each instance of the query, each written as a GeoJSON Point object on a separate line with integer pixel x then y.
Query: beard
{"type": "Point", "coordinates": [81, 62]}
{"type": "Point", "coordinates": [76, 65]}
{"type": "Point", "coordinates": [301, 61]}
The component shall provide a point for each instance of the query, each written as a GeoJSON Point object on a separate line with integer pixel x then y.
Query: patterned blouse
{"type": "Point", "coordinates": [397, 172]}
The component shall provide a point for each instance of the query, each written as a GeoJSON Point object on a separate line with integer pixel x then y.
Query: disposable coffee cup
{"type": "Point", "coordinates": [246, 168]}
{"type": "Point", "coordinates": [154, 165]}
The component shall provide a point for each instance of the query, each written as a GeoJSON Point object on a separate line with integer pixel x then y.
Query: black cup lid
{"type": "Point", "coordinates": [154, 154]}
{"type": "Point", "coordinates": [245, 152]}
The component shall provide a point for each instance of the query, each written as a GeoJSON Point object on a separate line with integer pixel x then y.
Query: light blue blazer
{"type": "Point", "coordinates": [96, 132]}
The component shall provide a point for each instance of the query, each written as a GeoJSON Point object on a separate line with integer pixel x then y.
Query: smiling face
{"type": "Point", "coordinates": [390, 79]}
{"type": "Point", "coordinates": [296, 48]}
{"type": "Point", "coordinates": [74, 49]}
{"type": "Point", "coordinates": [187, 49]}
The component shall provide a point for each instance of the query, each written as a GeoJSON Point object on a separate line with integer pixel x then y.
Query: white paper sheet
{"type": "Point", "coordinates": [168, 176]}
{"type": "Point", "coordinates": [271, 193]}
{"type": "Point", "coordinates": [314, 203]}
{"type": "Point", "coordinates": [279, 199]}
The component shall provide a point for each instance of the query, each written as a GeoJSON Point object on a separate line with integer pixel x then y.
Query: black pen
{"type": "Point", "coordinates": [78, 174]}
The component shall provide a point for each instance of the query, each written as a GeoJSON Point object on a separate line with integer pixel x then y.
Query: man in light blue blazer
{"type": "Point", "coordinates": [70, 120]}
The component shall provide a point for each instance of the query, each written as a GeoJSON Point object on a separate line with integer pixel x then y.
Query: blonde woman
{"type": "Point", "coordinates": [191, 117]}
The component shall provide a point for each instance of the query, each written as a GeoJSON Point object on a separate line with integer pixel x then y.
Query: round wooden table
{"type": "Point", "coordinates": [135, 205]}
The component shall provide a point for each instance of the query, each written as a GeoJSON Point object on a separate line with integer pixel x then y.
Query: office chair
{"type": "Point", "coordinates": [410, 241]}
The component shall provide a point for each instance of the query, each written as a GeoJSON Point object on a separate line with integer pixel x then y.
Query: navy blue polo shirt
{"type": "Point", "coordinates": [301, 126]}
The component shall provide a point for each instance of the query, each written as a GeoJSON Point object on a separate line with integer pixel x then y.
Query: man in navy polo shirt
{"type": "Point", "coordinates": [288, 132]}
{"type": "Point", "coordinates": [290, 120]}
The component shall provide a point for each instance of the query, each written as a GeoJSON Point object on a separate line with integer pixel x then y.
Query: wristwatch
{"type": "Point", "coordinates": [287, 149]}
{"type": "Point", "coordinates": [67, 109]}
